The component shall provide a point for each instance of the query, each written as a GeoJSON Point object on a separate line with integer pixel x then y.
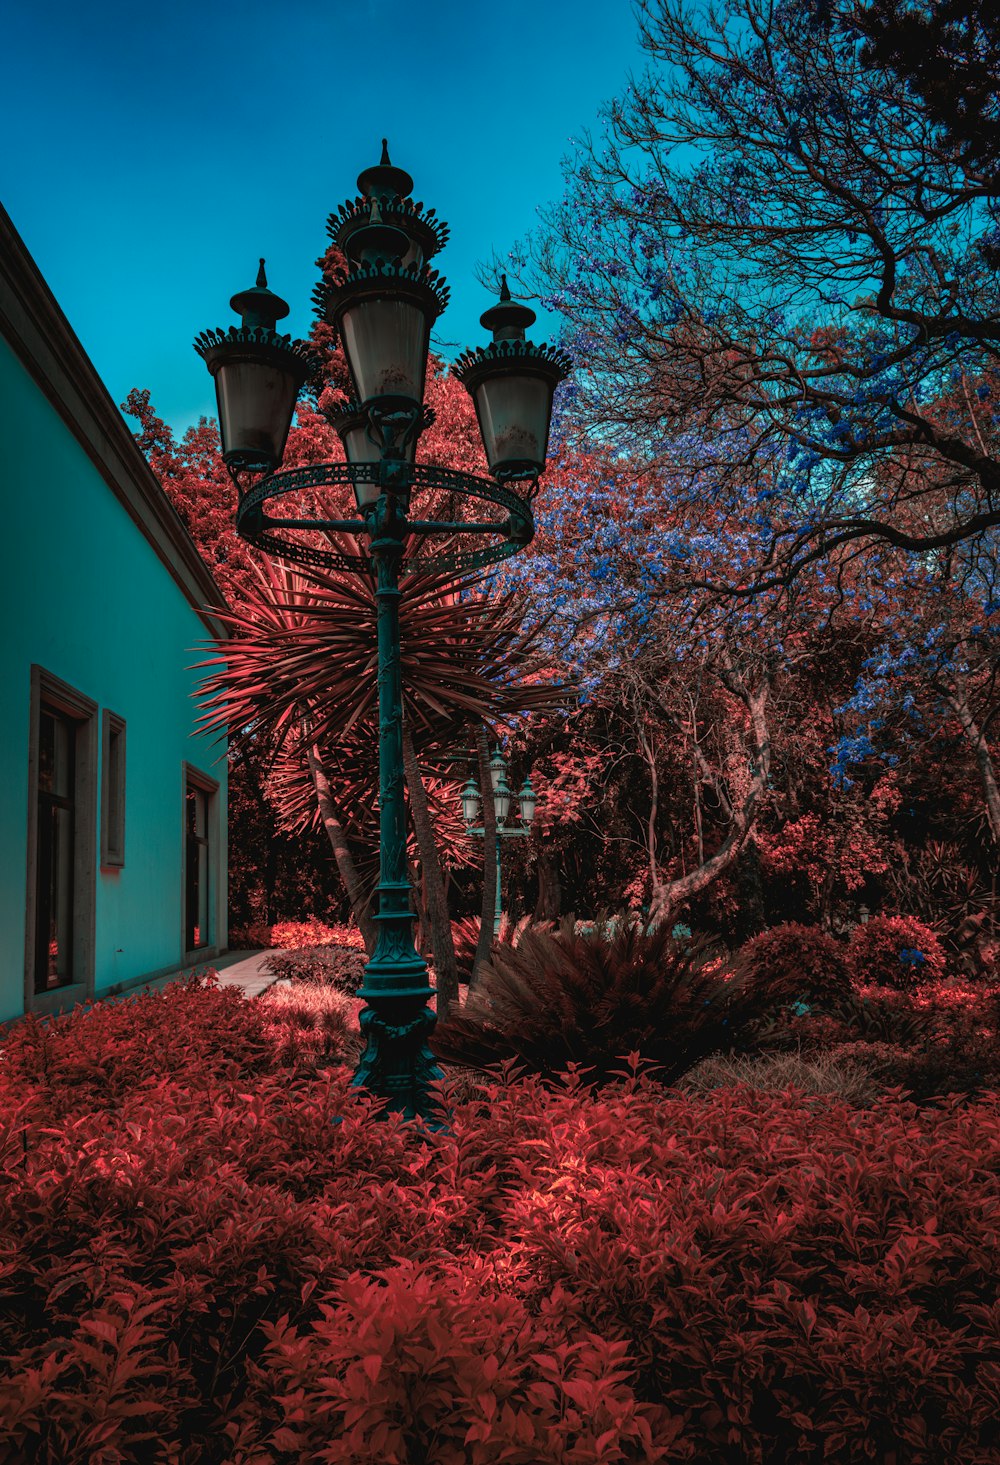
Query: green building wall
{"type": "Point", "coordinates": [87, 597]}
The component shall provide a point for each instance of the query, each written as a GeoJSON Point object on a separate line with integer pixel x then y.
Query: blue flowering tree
{"type": "Point", "coordinates": [774, 248]}
{"type": "Point", "coordinates": [685, 691]}
{"type": "Point", "coordinates": [934, 667]}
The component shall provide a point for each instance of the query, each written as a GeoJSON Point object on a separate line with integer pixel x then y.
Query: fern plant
{"type": "Point", "coordinates": [591, 998]}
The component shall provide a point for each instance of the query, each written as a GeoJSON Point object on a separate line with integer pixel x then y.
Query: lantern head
{"type": "Point", "coordinates": [512, 383]}
{"type": "Point", "coordinates": [258, 375]}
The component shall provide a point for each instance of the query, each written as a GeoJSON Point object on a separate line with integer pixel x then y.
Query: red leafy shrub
{"type": "Point", "coordinates": [958, 1049]}
{"type": "Point", "coordinates": [104, 1053]}
{"type": "Point", "coordinates": [200, 1268]}
{"type": "Point", "coordinates": [441, 1354]}
{"type": "Point", "coordinates": [291, 935]}
{"type": "Point", "coordinates": [336, 966]}
{"type": "Point", "coordinates": [796, 961]}
{"type": "Point", "coordinates": [895, 951]}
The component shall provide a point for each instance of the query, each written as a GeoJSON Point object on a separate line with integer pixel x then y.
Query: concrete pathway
{"type": "Point", "coordinates": [243, 969]}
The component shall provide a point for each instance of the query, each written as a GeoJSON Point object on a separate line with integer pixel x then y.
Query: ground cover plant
{"type": "Point", "coordinates": [198, 1266]}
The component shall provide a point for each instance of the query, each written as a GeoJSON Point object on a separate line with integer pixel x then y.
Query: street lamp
{"type": "Point", "coordinates": [383, 311]}
{"type": "Point", "coordinates": [502, 796]}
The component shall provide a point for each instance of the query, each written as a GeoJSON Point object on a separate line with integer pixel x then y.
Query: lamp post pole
{"type": "Point", "coordinates": [383, 311]}
{"type": "Point", "coordinates": [501, 794]}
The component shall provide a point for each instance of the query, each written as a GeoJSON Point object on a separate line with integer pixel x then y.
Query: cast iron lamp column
{"type": "Point", "coordinates": [383, 311]}
{"type": "Point", "coordinates": [502, 795]}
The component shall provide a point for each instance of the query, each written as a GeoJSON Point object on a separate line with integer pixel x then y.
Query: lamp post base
{"type": "Point", "coordinates": [397, 1064]}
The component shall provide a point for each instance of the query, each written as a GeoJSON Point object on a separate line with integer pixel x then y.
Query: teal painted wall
{"type": "Point", "coordinates": [87, 597]}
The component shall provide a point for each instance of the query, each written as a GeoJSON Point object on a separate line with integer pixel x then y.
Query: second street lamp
{"type": "Point", "coordinates": [502, 796]}
{"type": "Point", "coordinates": [383, 311]}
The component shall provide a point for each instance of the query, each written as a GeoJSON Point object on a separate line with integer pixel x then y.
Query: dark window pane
{"type": "Point", "coordinates": [196, 916]}
{"type": "Point", "coordinates": [114, 773]}
{"type": "Point", "coordinates": [55, 852]}
{"type": "Point", "coordinates": [46, 752]}
{"type": "Point", "coordinates": [196, 811]}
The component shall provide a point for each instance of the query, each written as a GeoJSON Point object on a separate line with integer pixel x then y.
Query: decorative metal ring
{"type": "Point", "coordinates": [422, 476]}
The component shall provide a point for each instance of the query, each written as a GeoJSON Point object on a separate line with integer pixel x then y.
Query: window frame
{"type": "Point", "coordinates": [51, 692]}
{"type": "Point", "coordinates": [112, 782]}
{"type": "Point", "coordinates": [194, 777]}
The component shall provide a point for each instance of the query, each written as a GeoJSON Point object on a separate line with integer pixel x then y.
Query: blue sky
{"type": "Point", "coordinates": [152, 154]}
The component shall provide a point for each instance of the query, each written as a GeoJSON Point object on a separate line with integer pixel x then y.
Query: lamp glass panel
{"type": "Point", "coordinates": [256, 402]}
{"type": "Point", "coordinates": [386, 342]}
{"type": "Point", "coordinates": [359, 448]}
{"type": "Point", "coordinates": [470, 806]}
{"type": "Point", "coordinates": [502, 801]}
{"type": "Point", "coordinates": [514, 413]}
{"type": "Point", "coordinates": [527, 800]}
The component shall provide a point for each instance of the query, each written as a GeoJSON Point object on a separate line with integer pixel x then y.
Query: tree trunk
{"type": "Point", "coordinates": [974, 736]}
{"type": "Point", "coordinates": [549, 906]}
{"type": "Point", "coordinates": [341, 850]}
{"type": "Point", "coordinates": [490, 872]}
{"type": "Point", "coordinates": [439, 919]}
{"type": "Point", "coordinates": [669, 896]}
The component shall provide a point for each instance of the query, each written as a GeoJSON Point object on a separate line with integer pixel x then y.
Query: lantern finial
{"type": "Point", "coordinates": [383, 181]}
{"type": "Point", "coordinates": [508, 320]}
{"type": "Point", "coordinates": [259, 306]}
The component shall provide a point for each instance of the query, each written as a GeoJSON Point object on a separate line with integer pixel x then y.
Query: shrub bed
{"type": "Point", "coordinates": [199, 1267]}
{"type": "Point", "coordinates": [799, 961]}
{"type": "Point", "coordinates": [330, 965]}
{"type": "Point", "coordinates": [895, 951]}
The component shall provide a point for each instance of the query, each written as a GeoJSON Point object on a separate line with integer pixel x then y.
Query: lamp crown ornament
{"type": "Point", "coordinates": [383, 181]}
{"type": "Point", "coordinates": [509, 320]}
{"type": "Point", "coordinates": [259, 306]}
{"type": "Point", "coordinates": [377, 243]}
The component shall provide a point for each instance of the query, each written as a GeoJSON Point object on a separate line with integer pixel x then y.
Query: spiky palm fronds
{"type": "Point", "coordinates": [351, 765]}
{"type": "Point", "coordinates": [304, 643]}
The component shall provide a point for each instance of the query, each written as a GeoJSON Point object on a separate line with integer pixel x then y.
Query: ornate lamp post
{"type": "Point", "coordinates": [502, 795]}
{"type": "Point", "coordinates": [383, 312]}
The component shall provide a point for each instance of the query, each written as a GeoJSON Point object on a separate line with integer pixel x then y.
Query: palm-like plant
{"type": "Point", "coordinates": [300, 676]}
{"type": "Point", "coordinates": [305, 644]}
{"type": "Point", "coordinates": [563, 996]}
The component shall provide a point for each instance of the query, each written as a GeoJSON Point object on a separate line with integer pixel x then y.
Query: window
{"type": "Point", "coordinates": [112, 790]}
{"type": "Point", "coordinates": [59, 919]}
{"type": "Point", "coordinates": [56, 819]}
{"type": "Point", "coordinates": [199, 859]}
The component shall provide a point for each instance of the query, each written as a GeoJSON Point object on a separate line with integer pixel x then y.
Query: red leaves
{"type": "Point", "coordinates": [200, 1268]}
{"type": "Point", "coordinates": [896, 951]}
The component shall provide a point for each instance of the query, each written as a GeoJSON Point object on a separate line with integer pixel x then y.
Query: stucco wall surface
{"type": "Point", "coordinates": [85, 596]}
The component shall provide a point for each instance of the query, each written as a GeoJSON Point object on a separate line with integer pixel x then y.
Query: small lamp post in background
{"type": "Point", "coordinates": [383, 311]}
{"type": "Point", "coordinates": [502, 796]}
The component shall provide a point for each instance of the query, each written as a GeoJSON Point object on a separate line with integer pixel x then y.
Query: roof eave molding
{"type": "Point", "coordinates": [41, 335]}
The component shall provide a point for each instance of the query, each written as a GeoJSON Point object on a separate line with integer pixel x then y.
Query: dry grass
{"type": "Point", "coordinates": [824, 1073]}
{"type": "Point", "coordinates": [314, 1021]}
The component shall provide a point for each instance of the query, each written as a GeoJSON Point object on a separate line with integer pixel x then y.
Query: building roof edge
{"type": "Point", "coordinates": [46, 343]}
